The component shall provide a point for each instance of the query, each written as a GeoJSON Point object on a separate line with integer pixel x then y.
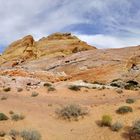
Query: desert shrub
{"type": "Point", "coordinates": [74, 87]}
{"type": "Point", "coordinates": [4, 98]}
{"type": "Point", "coordinates": [13, 132]}
{"type": "Point", "coordinates": [50, 105]}
{"type": "Point", "coordinates": [34, 94]}
{"type": "Point", "coordinates": [124, 109]}
{"type": "Point", "coordinates": [22, 117]}
{"type": "Point", "coordinates": [130, 101]}
{"type": "Point", "coordinates": [3, 117]}
{"type": "Point", "coordinates": [19, 89]}
{"type": "Point", "coordinates": [29, 84]}
{"type": "Point", "coordinates": [119, 91]}
{"type": "Point", "coordinates": [2, 133]}
{"type": "Point", "coordinates": [118, 79]}
{"type": "Point", "coordinates": [17, 117]}
{"type": "Point", "coordinates": [13, 79]}
{"type": "Point", "coordinates": [11, 112]}
{"type": "Point", "coordinates": [101, 88]}
{"type": "Point", "coordinates": [51, 89]}
{"type": "Point", "coordinates": [106, 120]}
{"type": "Point", "coordinates": [115, 85]}
{"type": "Point", "coordinates": [30, 135]}
{"type": "Point", "coordinates": [116, 126]}
{"type": "Point", "coordinates": [6, 89]}
{"type": "Point", "coordinates": [71, 112]}
{"type": "Point", "coordinates": [131, 85]}
{"type": "Point", "coordinates": [135, 131]}
{"type": "Point", "coordinates": [98, 83]}
{"type": "Point", "coordinates": [47, 85]}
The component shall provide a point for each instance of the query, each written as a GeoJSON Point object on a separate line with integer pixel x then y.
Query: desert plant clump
{"type": "Point", "coordinates": [124, 109]}
{"type": "Point", "coordinates": [106, 120]}
{"type": "Point", "coordinates": [11, 112]}
{"type": "Point", "coordinates": [134, 133]}
{"type": "Point", "coordinates": [14, 133]}
{"type": "Point", "coordinates": [74, 87]}
{"type": "Point", "coordinates": [71, 112]}
{"type": "Point", "coordinates": [4, 98]}
{"type": "Point", "coordinates": [19, 89]}
{"type": "Point", "coordinates": [131, 85]}
{"type": "Point", "coordinates": [119, 91]}
{"type": "Point", "coordinates": [34, 94]}
{"type": "Point", "coordinates": [17, 117]}
{"type": "Point", "coordinates": [130, 101]}
{"type": "Point", "coordinates": [51, 88]}
{"type": "Point", "coordinates": [47, 85]}
{"type": "Point", "coordinates": [50, 105]}
{"type": "Point", "coordinates": [3, 117]}
{"type": "Point", "coordinates": [2, 133]}
{"type": "Point", "coordinates": [6, 89]}
{"type": "Point", "coordinates": [98, 83]}
{"type": "Point", "coordinates": [116, 126]}
{"type": "Point", "coordinates": [30, 135]}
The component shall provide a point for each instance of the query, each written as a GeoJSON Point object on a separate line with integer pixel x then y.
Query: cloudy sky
{"type": "Point", "coordinates": [103, 23]}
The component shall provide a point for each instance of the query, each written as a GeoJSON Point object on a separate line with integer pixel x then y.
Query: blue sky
{"type": "Point", "coordinates": [103, 23]}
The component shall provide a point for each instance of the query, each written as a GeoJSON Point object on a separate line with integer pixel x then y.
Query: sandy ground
{"type": "Point", "coordinates": [40, 113]}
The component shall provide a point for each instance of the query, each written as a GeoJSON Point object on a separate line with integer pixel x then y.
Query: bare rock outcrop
{"type": "Point", "coordinates": [57, 44]}
{"type": "Point", "coordinates": [133, 62]}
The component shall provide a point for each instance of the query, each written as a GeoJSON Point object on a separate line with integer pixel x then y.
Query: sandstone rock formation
{"type": "Point", "coordinates": [53, 45]}
{"type": "Point", "coordinates": [61, 57]}
{"type": "Point", "coordinates": [133, 62]}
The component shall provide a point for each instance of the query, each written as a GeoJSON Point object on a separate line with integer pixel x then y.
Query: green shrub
{"type": "Point", "coordinates": [130, 101]}
{"type": "Point", "coordinates": [3, 117]}
{"type": "Point", "coordinates": [2, 133]}
{"type": "Point", "coordinates": [74, 87]}
{"type": "Point", "coordinates": [70, 112]}
{"type": "Point", "coordinates": [17, 117]}
{"type": "Point", "coordinates": [116, 126]}
{"type": "Point", "coordinates": [34, 94]}
{"type": "Point", "coordinates": [124, 109]}
{"type": "Point", "coordinates": [6, 89]}
{"type": "Point", "coordinates": [106, 120]}
{"type": "Point", "coordinates": [135, 131]}
{"type": "Point", "coordinates": [30, 135]}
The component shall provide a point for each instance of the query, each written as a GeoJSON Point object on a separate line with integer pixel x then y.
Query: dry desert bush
{"type": "Point", "coordinates": [71, 112]}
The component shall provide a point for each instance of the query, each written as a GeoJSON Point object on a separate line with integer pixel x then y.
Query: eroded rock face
{"type": "Point", "coordinates": [54, 45]}
{"type": "Point", "coordinates": [20, 50]}
{"type": "Point", "coordinates": [20, 46]}
{"type": "Point", "coordinates": [62, 56]}
{"type": "Point", "coordinates": [134, 62]}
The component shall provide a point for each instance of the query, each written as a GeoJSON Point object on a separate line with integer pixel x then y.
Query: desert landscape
{"type": "Point", "coordinates": [61, 88]}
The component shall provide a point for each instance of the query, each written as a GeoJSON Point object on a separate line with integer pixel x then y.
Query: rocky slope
{"type": "Point", "coordinates": [61, 57]}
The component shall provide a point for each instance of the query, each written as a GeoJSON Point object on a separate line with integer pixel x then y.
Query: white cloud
{"type": "Point", "coordinates": [106, 41]}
